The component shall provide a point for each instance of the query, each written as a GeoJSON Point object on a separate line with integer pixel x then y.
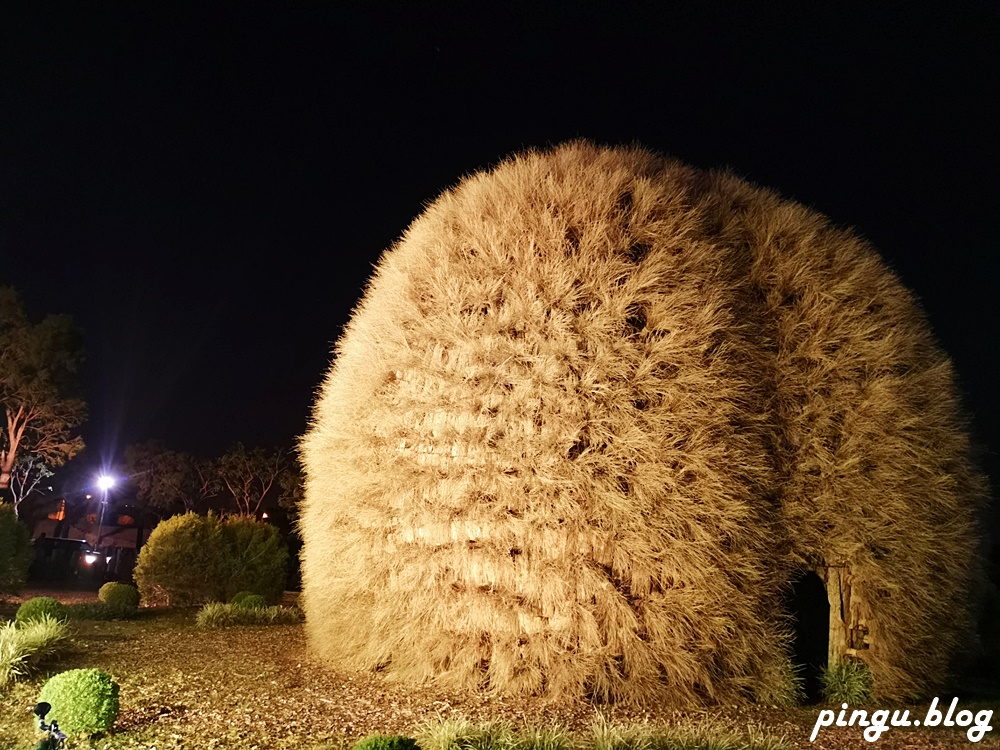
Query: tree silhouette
{"type": "Point", "coordinates": [248, 475]}
{"type": "Point", "coordinates": [38, 367]}
{"type": "Point", "coordinates": [168, 480]}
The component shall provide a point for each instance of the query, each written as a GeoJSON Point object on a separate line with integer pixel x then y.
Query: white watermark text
{"type": "Point", "coordinates": [882, 720]}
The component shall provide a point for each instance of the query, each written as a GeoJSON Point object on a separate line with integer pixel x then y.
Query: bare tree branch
{"type": "Point", "coordinates": [29, 471]}
{"type": "Point", "coordinates": [249, 475]}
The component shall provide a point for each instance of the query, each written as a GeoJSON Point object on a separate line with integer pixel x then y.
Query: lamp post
{"type": "Point", "coordinates": [104, 482]}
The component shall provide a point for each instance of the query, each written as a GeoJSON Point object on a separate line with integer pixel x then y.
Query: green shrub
{"type": "Point", "coordinates": [256, 558]}
{"type": "Point", "coordinates": [102, 611]}
{"type": "Point", "coordinates": [84, 701]}
{"type": "Point", "coordinates": [218, 615]}
{"type": "Point", "coordinates": [238, 597]}
{"type": "Point", "coordinates": [15, 551]}
{"type": "Point", "coordinates": [25, 646]}
{"type": "Point", "coordinates": [847, 681]}
{"type": "Point", "coordinates": [41, 606]}
{"type": "Point", "coordinates": [119, 595]}
{"type": "Point", "coordinates": [386, 742]}
{"type": "Point", "coordinates": [193, 559]}
{"type": "Point", "coordinates": [181, 562]}
{"type": "Point", "coordinates": [252, 601]}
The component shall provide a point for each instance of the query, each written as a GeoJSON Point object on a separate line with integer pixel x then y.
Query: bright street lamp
{"type": "Point", "coordinates": [104, 482]}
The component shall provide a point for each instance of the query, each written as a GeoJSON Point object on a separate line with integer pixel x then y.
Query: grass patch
{"type": "Point", "coordinates": [706, 735]}
{"type": "Point", "coordinates": [551, 738]}
{"type": "Point", "coordinates": [218, 615]}
{"type": "Point", "coordinates": [703, 735]}
{"type": "Point", "coordinates": [25, 647]}
{"type": "Point", "coordinates": [459, 734]}
{"type": "Point", "coordinates": [847, 681]}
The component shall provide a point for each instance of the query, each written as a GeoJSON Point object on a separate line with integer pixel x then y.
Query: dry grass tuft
{"type": "Point", "coordinates": [594, 410]}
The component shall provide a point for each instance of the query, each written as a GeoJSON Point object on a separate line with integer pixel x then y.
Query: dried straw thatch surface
{"type": "Point", "coordinates": [594, 411]}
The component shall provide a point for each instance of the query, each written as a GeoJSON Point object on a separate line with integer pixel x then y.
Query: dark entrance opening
{"type": "Point", "coordinates": [808, 605]}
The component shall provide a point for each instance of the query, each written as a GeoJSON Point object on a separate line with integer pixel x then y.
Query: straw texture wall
{"type": "Point", "coordinates": [594, 411]}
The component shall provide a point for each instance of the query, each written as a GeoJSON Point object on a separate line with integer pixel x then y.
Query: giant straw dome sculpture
{"type": "Point", "coordinates": [597, 410]}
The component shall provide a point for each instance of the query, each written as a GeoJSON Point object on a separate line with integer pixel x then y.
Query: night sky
{"type": "Point", "coordinates": [205, 190]}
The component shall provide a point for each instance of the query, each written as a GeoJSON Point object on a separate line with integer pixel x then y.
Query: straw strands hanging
{"type": "Point", "coordinates": [594, 412]}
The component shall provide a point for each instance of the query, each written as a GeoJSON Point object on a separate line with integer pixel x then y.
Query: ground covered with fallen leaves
{"type": "Point", "coordinates": [257, 687]}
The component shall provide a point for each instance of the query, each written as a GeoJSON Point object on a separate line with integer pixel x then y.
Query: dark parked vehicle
{"type": "Point", "coordinates": [66, 562]}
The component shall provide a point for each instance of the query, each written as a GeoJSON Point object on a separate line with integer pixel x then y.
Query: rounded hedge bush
{"type": "Point", "coordinates": [254, 601]}
{"type": "Point", "coordinates": [238, 597]}
{"type": "Point", "coordinates": [256, 558]}
{"type": "Point", "coordinates": [119, 595]}
{"type": "Point", "coordinates": [181, 562]}
{"type": "Point", "coordinates": [191, 559]}
{"type": "Point", "coordinates": [84, 701]}
{"type": "Point", "coordinates": [248, 600]}
{"type": "Point", "coordinates": [15, 551]}
{"type": "Point", "coordinates": [40, 606]}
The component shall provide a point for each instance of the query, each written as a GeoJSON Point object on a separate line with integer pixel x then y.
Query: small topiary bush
{"type": "Point", "coordinates": [15, 551]}
{"type": "Point", "coordinates": [25, 646]}
{"type": "Point", "coordinates": [119, 595]}
{"type": "Point", "coordinates": [218, 615]}
{"type": "Point", "coordinates": [848, 681]}
{"type": "Point", "coordinates": [84, 701]}
{"type": "Point", "coordinates": [256, 558]}
{"type": "Point", "coordinates": [41, 606]}
{"type": "Point", "coordinates": [386, 742]}
{"type": "Point", "coordinates": [252, 601]}
{"type": "Point", "coordinates": [239, 597]}
{"type": "Point", "coordinates": [192, 559]}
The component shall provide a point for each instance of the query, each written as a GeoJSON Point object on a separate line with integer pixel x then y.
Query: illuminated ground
{"type": "Point", "coordinates": [255, 687]}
